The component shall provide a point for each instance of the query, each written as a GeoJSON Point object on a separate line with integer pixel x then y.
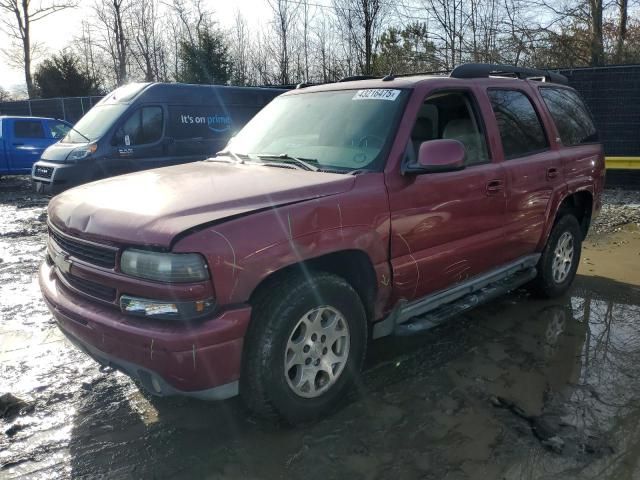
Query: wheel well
{"type": "Point", "coordinates": [579, 204]}
{"type": "Point", "coordinates": [352, 265]}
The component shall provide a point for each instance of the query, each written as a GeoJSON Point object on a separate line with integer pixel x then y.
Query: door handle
{"type": "Point", "coordinates": [552, 172]}
{"type": "Point", "coordinates": [494, 187]}
{"type": "Point", "coordinates": [18, 144]}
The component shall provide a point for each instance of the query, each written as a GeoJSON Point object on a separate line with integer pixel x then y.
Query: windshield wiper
{"type": "Point", "coordinates": [81, 134]}
{"type": "Point", "coordinates": [301, 162]}
{"type": "Point", "coordinates": [238, 157]}
{"type": "Point", "coordinates": [358, 171]}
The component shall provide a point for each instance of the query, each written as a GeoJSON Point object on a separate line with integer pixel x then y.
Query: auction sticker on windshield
{"type": "Point", "coordinates": [377, 94]}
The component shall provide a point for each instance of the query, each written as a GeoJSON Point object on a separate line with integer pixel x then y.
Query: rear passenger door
{"type": "Point", "coordinates": [532, 168]}
{"type": "Point", "coordinates": [581, 154]}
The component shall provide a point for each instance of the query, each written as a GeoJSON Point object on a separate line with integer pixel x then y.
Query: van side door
{"type": "Point", "coordinates": [447, 226]}
{"type": "Point", "coordinates": [531, 165]}
{"type": "Point", "coordinates": [137, 143]}
{"type": "Point", "coordinates": [27, 141]}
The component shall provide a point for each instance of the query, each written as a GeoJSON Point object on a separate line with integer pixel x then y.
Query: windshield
{"type": "Point", "coordinates": [338, 130]}
{"type": "Point", "coordinates": [95, 123]}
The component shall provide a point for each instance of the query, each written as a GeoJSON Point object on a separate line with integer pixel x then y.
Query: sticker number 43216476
{"type": "Point", "coordinates": [377, 94]}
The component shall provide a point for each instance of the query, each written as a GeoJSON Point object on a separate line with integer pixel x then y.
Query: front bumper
{"type": "Point", "coordinates": [200, 360]}
{"type": "Point", "coordinates": [52, 178]}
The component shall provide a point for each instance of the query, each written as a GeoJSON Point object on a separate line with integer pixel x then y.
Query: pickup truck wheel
{"type": "Point", "coordinates": [304, 348]}
{"type": "Point", "coordinates": [560, 258]}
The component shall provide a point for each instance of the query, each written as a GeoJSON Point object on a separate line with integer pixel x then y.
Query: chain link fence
{"type": "Point", "coordinates": [70, 109]}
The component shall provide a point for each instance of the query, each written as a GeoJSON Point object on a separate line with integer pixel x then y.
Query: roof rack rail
{"type": "Point", "coordinates": [415, 74]}
{"type": "Point", "coordinates": [358, 77]}
{"type": "Point", "coordinates": [484, 70]}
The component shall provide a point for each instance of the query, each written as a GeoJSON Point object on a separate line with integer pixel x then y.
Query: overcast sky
{"type": "Point", "coordinates": [57, 30]}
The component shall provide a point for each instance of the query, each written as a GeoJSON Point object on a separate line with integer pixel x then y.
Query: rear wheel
{"type": "Point", "coordinates": [560, 259]}
{"type": "Point", "coordinates": [304, 348]}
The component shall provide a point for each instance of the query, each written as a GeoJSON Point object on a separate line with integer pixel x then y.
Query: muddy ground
{"type": "Point", "coordinates": [517, 389]}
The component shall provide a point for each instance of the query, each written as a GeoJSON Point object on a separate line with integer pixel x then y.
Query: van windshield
{"type": "Point", "coordinates": [342, 130]}
{"type": "Point", "coordinates": [95, 123]}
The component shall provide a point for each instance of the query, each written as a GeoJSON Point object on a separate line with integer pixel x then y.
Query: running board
{"type": "Point", "coordinates": [432, 310]}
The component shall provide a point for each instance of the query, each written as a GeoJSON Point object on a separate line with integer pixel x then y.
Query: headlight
{"type": "Point", "coordinates": [164, 267]}
{"type": "Point", "coordinates": [166, 310]}
{"type": "Point", "coordinates": [81, 153]}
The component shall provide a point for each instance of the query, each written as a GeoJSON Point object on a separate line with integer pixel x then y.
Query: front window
{"type": "Point", "coordinates": [141, 128]}
{"type": "Point", "coordinates": [95, 123]}
{"type": "Point", "coordinates": [337, 130]}
{"type": "Point", "coordinates": [58, 129]}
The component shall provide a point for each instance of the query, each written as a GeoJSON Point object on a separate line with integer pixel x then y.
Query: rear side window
{"type": "Point", "coordinates": [520, 128]}
{"type": "Point", "coordinates": [143, 127]}
{"type": "Point", "coordinates": [570, 115]}
{"type": "Point", "coordinates": [28, 129]}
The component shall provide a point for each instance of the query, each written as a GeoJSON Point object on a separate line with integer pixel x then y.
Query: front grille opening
{"type": "Point", "coordinates": [101, 256]}
{"type": "Point", "coordinates": [44, 172]}
{"type": "Point", "coordinates": [92, 289]}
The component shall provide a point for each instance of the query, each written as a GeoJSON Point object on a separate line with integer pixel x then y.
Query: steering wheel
{"type": "Point", "coordinates": [364, 141]}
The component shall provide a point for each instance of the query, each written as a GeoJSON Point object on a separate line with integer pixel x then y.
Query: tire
{"type": "Point", "coordinates": [286, 316]}
{"type": "Point", "coordinates": [555, 271]}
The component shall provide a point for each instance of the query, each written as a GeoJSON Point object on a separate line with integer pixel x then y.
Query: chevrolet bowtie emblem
{"type": "Point", "coordinates": [60, 259]}
{"type": "Point", "coordinates": [62, 262]}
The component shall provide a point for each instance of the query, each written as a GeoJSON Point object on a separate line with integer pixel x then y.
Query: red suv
{"type": "Point", "coordinates": [340, 213]}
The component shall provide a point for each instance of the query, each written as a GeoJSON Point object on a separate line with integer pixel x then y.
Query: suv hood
{"type": "Point", "coordinates": [153, 206]}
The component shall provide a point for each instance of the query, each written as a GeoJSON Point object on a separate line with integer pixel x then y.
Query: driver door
{"type": "Point", "coordinates": [138, 142]}
{"type": "Point", "coordinates": [446, 227]}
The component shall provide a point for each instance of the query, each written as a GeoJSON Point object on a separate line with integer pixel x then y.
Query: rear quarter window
{"type": "Point", "coordinates": [521, 130]}
{"type": "Point", "coordinates": [570, 115]}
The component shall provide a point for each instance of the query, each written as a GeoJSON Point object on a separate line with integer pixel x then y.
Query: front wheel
{"type": "Point", "coordinates": [304, 348]}
{"type": "Point", "coordinates": [560, 259]}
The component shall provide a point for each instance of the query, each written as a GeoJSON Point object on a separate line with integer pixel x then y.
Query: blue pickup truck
{"type": "Point", "coordinates": [23, 139]}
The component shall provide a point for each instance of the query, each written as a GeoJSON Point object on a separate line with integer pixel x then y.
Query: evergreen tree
{"type": "Point", "coordinates": [61, 76]}
{"type": "Point", "coordinates": [206, 62]}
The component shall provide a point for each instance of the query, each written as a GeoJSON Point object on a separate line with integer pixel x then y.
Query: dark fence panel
{"type": "Point", "coordinates": [70, 109]}
{"type": "Point", "coordinates": [613, 95]}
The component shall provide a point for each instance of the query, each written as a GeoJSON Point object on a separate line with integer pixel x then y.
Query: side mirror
{"type": "Point", "coordinates": [443, 155]}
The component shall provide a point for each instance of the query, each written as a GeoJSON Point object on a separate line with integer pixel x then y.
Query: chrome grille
{"type": "Point", "coordinates": [90, 253]}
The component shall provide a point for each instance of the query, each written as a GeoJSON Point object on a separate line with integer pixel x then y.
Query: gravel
{"type": "Point", "coordinates": [619, 208]}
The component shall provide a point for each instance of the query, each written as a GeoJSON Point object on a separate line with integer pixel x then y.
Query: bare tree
{"type": "Point", "coordinates": [623, 8]}
{"type": "Point", "coordinates": [240, 50]}
{"type": "Point", "coordinates": [285, 14]}
{"type": "Point", "coordinates": [363, 20]}
{"type": "Point", "coordinates": [147, 46]}
{"type": "Point", "coordinates": [597, 45]}
{"type": "Point", "coordinates": [307, 18]}
{"type": "Point", "coordinates": [5, 96]}
{"type": "Point", "coordinates": [16, 19]}
{"type": "Point", "coordinates": [115, 41]}
{"type": "Point", "coordinates": [193, 18]}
